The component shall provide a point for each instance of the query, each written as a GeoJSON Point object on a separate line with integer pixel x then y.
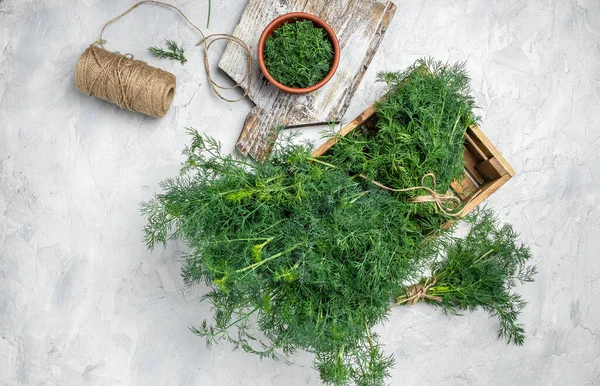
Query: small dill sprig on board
{"type": "Point", "coordinates": [174, 52]}
{"type": "Point", "coordinates": [480, 270]}
{"type": "Point", "coordinates": [298, 54]}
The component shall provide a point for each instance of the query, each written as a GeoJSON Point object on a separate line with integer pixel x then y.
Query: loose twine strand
{"type": "Point", "coordinates": [433, 196]}
{"type": "Point", "coordinates": [207, 41]}
{"type": "Point", "coordinates": [416, 292]}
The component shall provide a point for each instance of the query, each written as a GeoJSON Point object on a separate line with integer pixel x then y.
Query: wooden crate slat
{"type": "Point", "coordinates": [491, 169]}
{"type": "Point", "coordinates": [473, 148]}
{"type": "Point", "coordinates": [464, 188]}
{"type": "Point", "coordinates": [484, 192]}
{"type": "Point", "coordinates": [485, 144]}
{"type": "Point", "coordinates": [471, 165]}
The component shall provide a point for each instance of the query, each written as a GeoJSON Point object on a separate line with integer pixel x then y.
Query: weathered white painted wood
{"type": "Point", "coordinates": [359, 25]}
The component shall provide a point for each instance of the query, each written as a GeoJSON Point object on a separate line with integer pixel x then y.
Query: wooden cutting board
{"type": "Point", "coordinates": [359, 25]}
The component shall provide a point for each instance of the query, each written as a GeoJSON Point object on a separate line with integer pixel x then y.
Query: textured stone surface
{"type": "Point", "coordinates": [83, 302]}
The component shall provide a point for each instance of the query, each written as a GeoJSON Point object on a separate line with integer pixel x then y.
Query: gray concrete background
{"type": "Point", "coordinates": [83, 302]}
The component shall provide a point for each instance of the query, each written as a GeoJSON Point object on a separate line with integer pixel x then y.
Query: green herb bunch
{"type": "Point", "coordinates": [298, 54]}
{"type": "Point", "coordinates": [420, 129]}
{"type": "Point", "coordinates": [300, 252]}
{"type": "Point", "coordinates": [295, 249]}
{"type": "Point", "coordinates": [173, 52]}
{"type": "Point", "coordinates": [480, 270]}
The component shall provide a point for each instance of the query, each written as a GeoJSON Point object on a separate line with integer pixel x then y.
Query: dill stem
{"type": "Point", "coordinates": [208, 18]}
{"type": "Point", "coordinates": [457, 120]}
{"type": "Point", "coordinates": [243, 163]}
{"type": "Point", "coordinates": [271, 226]}
{"type": "Point", "coordinates": [217, 155]}
{"type": "Point", "coordinates": [321, 162]}
{"type": "Point", "coordinates": [341, 354]}
{"type": "Point", "coordinates": [443, 106]}
{"type": "Point", "coordinates": [368, 335]}
{"type": "Point", "coordinates": [258, 264]}
{"type": "Point", "coordinates": [246, 316]}
{"type": "Point", "coordinates": [437, 290]}
{"type": "Point", "coordinates": [359, 196]}
{"type": "Point", "coordinates": [400, 298]}
{"type": "Point", "coordinates": [482, 256]}
{"type": "Point", "coordinates": [253, 239]}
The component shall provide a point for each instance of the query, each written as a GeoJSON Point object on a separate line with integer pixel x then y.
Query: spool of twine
{"type": "Point", "coordinates": [131, 84]}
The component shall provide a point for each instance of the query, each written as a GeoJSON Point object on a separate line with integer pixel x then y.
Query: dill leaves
{"type": "Point", "coordinates": [298, 54]}
{"type": "Point", "coordinates": [173, 52]}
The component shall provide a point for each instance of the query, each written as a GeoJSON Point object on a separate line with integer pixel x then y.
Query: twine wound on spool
{"type": "Point", "coordinates": [135, 85]}
{"type": "Point", "coordinates": [124, 81]}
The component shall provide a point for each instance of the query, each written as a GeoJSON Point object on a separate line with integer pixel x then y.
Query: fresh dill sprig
{"type": "Point", "coordinates": [298, 54]}
{"type": "Point", "coordinates": [174, 52]}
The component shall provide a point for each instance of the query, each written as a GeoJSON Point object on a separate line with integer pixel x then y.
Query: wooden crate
{"type": "Point", "coordinates": [486, 170]}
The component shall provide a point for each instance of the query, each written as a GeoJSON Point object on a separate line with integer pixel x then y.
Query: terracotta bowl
{"type": "Point", "coordinates": [288, 18]}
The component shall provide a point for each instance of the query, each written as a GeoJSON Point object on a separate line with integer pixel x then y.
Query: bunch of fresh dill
{"type": "Point", "coordinates": [298, 54]}
{"type": "Point", "coordinates": [301, 250]}
{"type": "Point", "coordinates": [420, 129]}
{"type": "Point", "coordinates": [480, 270]}
{"type": "Point", "coordinates": [173, 52]}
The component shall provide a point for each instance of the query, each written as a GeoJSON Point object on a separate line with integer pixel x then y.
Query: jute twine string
{"type": "Point", "coordinates": [416, 292]}
{"type": "Point", "coordinates": [433, 196]}
{"type": "Point", "coordinates": [133, 84]}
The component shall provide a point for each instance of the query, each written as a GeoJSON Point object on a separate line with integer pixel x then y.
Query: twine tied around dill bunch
{"type": "Point", "coordinates": [435, 197]}
{"type": "Point", "coordinates": [133, 84]}
{"type": "Point", "coordinates": [418, 291]}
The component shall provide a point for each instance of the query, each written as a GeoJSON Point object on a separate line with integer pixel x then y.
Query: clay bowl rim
{"type": "Point", "coordinates": [295, 16]}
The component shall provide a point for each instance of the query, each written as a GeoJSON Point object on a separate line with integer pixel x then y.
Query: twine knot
{"type": "Point", "coordinates": [416, 292]}
{"type": "Point", "coordinates": [434, 196]}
